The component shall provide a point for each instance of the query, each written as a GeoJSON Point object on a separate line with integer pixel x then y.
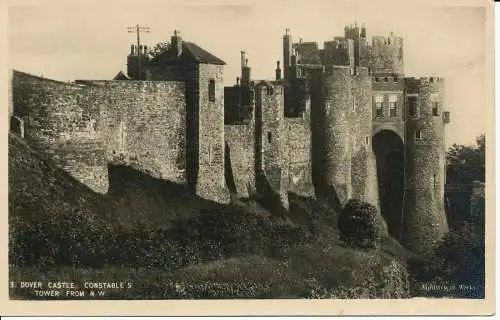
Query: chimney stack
{"type": "Point", "coordinates": [176, 42]}
{"type": "Point", "coordinates": [278, 71]}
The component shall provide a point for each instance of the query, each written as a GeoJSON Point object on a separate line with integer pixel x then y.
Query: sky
{"type": "Point", "coordinates": [89, 40]}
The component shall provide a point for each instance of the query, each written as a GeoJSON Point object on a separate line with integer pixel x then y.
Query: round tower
{"type": "Point", "coordinates": [424, 219]}
{"type": "Point", "coordinates": [363, 165]}
{"type": "Point", "coordinates": [336, 146]}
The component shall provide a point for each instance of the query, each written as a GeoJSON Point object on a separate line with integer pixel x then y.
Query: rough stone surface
{"type": "Point", "coordinates": [425, 219]}
{"type": "Point", "coordinates": [240, 141]}
{"type": "Point", "coordinates": [210, 180]}
{"type": "Point", "coordinates": [142, 125]}
{"type": "Point", "coordinates": [312, 133]}
{"type": "Point", "coordinates": [60, 119]}
{"type": "Point", "coordinates": [387, 55]}
{"type": "Point", "coordinates": [298, 156]}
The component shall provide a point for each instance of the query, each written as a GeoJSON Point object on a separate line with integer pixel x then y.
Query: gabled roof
{"type": "Point", "coordinates": [200, 55]}
{"type": "Point", "coordinates": [191, 52]}
{"type": "Point", "coordinates": [121, 76]}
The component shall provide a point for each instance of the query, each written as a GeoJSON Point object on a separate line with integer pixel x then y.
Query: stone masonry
{"type": "Point", "coordinates": [342, 122]}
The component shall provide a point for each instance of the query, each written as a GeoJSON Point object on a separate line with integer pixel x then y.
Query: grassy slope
{"type": "Point", "coordinates": [37, 186]}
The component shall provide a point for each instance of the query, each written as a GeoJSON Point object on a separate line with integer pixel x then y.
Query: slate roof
{"type": "Point", "coordinates": [191, 52]}
{"type": "Point", "coordinates": [199, 54]}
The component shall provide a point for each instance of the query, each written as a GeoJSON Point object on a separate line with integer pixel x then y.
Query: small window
{"type": "Point", "coordinates": [379, 108]}
{"type": "Point", "coordinates": [412, 106]}
{"type": "Point", "coordinates": [396, 79]}
{"type": "Point", "coordinates": [270, 91]}
{"type": "Point", "coordinates": [435, 108]}
{"type": "Point", "coordinates": [269, 137]}
{"type": "Point", "coordinates": [353, 103]}
{"type": "Point", "coordinates": [418, 134]}
{"type": "Point", "coordinates": [367, 140]}
{"type": "Point", "coordinates": [393, 100]}
{"type": "Point", "coordinates": [386, 79]}
{"type": "Point", "coordinates": [211, 90]}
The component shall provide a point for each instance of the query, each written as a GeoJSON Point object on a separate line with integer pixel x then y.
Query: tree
{"type": "Point", "coordinates": [466, 164]}
{"type": "Point", "coordinates": [360, 225]}
{"type": "Point", "coordinates": [159, 48]}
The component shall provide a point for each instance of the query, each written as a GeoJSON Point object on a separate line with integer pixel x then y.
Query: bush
{"type": "Point", "coordinates": [458, 260]}
{"type": "Point", "coordinates": [79, 238]}
{"type": "Point", "coordinates": [360, 225]}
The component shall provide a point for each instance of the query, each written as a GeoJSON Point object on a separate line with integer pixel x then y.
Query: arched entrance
{"type": "Point", "coordinates": [389, 153]}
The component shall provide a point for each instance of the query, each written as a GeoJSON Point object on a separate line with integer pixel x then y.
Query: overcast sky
{"type": "Point", "coordinates": [90, 40]}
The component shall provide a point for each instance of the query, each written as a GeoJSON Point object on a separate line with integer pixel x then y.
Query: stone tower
{"type": "Point", "coordinates": [376, 136]}
{"type": "Point", "coordinates": [424, 220]}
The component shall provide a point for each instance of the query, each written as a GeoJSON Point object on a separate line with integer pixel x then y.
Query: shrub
{"type": "Point", "coordinates": [359, 225]}
{"type": "Point", "coordinates": [458, 260]}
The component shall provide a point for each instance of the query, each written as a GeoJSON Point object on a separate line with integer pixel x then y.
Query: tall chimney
{"type": "Point", "coordinates": [243, 59]}
{"type": "Point", "coordinates": [278, 71]}
{"type": "Point", "coordinates": [287, 52]}
{"type": "Point", "coordinates": [176, 41]}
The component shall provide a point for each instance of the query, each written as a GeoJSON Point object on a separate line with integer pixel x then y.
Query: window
{"type": "Point", "coordinates": [418, 134]}
{"type": "Point", "coordinates": [379, 109]}
{"type": "Point", "coordinates": [435, 108]}
{"type": "Point", "coordinates": [393, 99]}
{"type": "Point", "coordinates": [211, 90]}
{"type": "Point", "coordinates": [269, 137]}
{"type": "Point", "coordinates": [386, 79]}
{"type": "Point", "coordinates": [435, 104]}
{"type": "Point", "coordinates": [412, 106]}
{"type": "Point", "coordinates": [270, 91]}
{"type": "Point", "coordinates": [353, 103]}
{"type": "Point", "coordinates": [367, 140]}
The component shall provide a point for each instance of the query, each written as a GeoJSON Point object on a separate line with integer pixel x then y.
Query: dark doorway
{"type": "Point", "coordinates": [389, 152]}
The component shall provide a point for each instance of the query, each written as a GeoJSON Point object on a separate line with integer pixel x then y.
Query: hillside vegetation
{"type": "Point", "coordinates": [172, 244]}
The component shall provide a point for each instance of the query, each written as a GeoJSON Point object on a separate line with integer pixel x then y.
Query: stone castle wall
{"type": "Point", "coordinates": [297, 155]}
{"type": "Point", "coordinates": [60, 119]}
{"type": "Point", "coordinates": [142, 125]}
{"type": "Point", "coordinates": [135, 123]}
{"type": "Point", "coordinates": [172, 127]}
{"type": "Point", "coordinates": [240, 141]}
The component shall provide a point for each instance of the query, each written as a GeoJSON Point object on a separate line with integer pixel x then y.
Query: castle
{"type": "Point", "coordinates": [339, 122]}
